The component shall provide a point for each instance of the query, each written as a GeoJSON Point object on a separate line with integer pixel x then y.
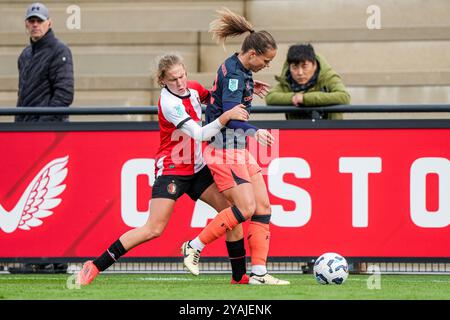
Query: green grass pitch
{"type": "Point", "coordinates": [217, 287]}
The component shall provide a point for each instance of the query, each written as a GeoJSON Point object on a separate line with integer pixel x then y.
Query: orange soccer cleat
{"type": "Point", "coordinates": [244, 280]}
{"type": "Point", "coordinates": [87, 274]}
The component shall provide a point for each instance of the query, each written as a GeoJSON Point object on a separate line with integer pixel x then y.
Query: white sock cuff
{"type": "Point", "coordinates": [259, 270]}
{"type": "Point", "coordinates": [197, 244]}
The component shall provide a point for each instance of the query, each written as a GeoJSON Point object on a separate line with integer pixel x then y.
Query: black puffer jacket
{"type": "Point", "coordinates": [45, 77]}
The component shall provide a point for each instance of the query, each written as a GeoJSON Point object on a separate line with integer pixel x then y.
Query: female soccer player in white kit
{"type": "Point", "coordinates": [179, 108]}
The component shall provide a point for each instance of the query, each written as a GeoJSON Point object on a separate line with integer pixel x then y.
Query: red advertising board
{"type": "Point", "coordinates": [359, 192]}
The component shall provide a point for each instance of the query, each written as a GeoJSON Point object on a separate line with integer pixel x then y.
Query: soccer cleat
{"type": "Point", "coordinates": [266, 279]}
{"type": "Point", "coordinates": [87, 274]}
{"type": "Point", "coordinates": [191, 258]}
{"type": "Point", "coordinates": [244, 280]}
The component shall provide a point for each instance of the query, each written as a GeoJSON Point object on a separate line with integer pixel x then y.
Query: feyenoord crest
{"type": "Point", "coordinates": [172, 188]}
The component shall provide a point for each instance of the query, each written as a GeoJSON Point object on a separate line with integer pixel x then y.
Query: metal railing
{"type": "Point", "coordinates": [315, 111]}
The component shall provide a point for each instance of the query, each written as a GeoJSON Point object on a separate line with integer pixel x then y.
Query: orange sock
{"type": "Point", "coordinates": [224, 221]}
{"type": "Point", "coordinates": [258, 242]}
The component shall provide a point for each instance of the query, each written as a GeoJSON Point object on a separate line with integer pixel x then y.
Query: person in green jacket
{"type": "Point", "coordinates": [307, 80]}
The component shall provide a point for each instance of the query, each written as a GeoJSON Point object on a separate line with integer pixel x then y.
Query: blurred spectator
{"type": "Point", "coordinates": [45, 68]}
{"type": "Point", "coordinates": [45, 80]}
{"type": "Point", "coordinates": [307, 80]}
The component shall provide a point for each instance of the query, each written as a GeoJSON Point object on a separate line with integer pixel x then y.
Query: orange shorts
{"type": "Point", "coordinates": [230, 167]}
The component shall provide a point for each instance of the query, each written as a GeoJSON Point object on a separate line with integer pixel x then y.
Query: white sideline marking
{"type": "Point", "coordinates": [400, 280]}
{"type": "Point", "coordinates": [164, 279]}
{"type": "Point", "coordinates": [29, 278]}
{"type": "Point", "coordinates": [176, 279]}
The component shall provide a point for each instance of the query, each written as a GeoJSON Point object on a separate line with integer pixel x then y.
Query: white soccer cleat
{"type": "Point", "coordinates": [267, 279]}
{"type": "Point", "coordinates": [191, 258]}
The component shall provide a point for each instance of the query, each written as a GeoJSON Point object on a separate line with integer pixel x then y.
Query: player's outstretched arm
{"type": "Point", "coordinates": [236, 113]}
{"type": "Point", "coordinates": [198, 133]}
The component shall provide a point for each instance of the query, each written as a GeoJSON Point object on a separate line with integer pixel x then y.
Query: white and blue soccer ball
{"type": "Point", "coordinates": [331, 268]}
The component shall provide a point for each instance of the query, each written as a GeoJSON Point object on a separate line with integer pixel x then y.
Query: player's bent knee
{"type": "Point", "coordinates": [152, 233]}
{"type": "Point", "coordinates": [264, 208]}
{"type": "Point", "coordinates": [246, 211]}
{"type": "Point", "coordinates": [249, 208]}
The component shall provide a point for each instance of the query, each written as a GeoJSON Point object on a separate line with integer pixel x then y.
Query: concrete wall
{"type": "Point", "coordinates": [406, 61]}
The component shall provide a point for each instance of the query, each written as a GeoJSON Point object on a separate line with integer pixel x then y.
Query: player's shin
{"type": "Point", "coordinates": [236, 253]}
{"type": "Point", "coordinates": [258, 241]}
{"type": "Point", "coordinates": [110, 256]}
{"type": "Point", "coordinates": [225, 220]}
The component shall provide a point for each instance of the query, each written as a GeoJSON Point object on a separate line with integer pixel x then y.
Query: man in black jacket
{"type": "Point", "coordinates": [45, 80]}
{"type": "Point", "coordinates": [45, 68]}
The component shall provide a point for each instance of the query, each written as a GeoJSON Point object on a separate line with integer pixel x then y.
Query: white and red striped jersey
{"type": "Point", "coordinates": [178, 153]}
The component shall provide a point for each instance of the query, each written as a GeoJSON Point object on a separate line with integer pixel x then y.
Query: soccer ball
{"type": "Point", "coordinates": [331, 268]}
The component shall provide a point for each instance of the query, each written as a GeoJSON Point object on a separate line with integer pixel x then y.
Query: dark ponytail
{"type": "Point", "coordinates": [230, 24]}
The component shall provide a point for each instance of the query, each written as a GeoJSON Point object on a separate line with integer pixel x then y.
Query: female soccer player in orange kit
{"type": "Point", "coordinates": [235, 171]}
